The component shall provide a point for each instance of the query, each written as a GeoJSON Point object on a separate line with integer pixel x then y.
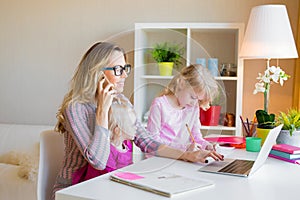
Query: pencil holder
{"type": "Point", "coordinates": [253, 144]}
{"type": "Point", "coordinates": [252, 129]}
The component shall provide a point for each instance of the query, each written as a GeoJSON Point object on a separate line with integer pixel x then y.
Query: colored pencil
{"type": "Point", "coordinates": [248, 127]}
{"type": "Point", "coordinates": [246, 130]}
{"type": "Point", "coordinates": [191, 135]}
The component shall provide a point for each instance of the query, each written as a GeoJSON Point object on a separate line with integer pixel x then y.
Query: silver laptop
{"type": "Point", "coordinates": [245, 168]}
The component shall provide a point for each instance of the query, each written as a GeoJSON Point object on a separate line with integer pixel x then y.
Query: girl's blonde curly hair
{"type": "Point", "coordinates": [199, 78]}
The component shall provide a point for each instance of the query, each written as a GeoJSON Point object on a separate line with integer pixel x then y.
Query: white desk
{"type": "Point", "coordinates": [274, 180]}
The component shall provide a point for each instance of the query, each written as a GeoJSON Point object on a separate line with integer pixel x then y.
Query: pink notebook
{"type": "Point", "coordinates": [227, 139]}
{"type": "Point", "coordinates": [284, 159]}
{"type": "Point", "coordinates": [286, 148]}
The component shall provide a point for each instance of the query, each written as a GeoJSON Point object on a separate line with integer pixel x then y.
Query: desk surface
{"type": "Point", "coordinates": [274, 180]}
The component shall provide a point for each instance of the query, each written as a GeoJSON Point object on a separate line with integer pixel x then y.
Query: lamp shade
{"type": "Point", "coordinates": [268, 34]}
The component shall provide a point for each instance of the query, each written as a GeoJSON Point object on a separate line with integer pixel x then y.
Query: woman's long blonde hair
{"type": "Point", "coordinates": [84, 83]}
{"type": "Point", "coordinates": [199, 78]}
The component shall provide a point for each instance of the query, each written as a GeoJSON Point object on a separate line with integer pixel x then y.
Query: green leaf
{"type": "Point", "coordinates": [296, 118]}
{"type": "Point", "coordinates": [264, 119]}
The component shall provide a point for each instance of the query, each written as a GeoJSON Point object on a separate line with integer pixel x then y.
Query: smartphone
{"type": "Point", "coordinates": [106, 82]}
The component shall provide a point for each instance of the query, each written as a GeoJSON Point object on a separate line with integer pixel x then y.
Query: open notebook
{"type": "Point", "coordinates": [245, 168]}
{"type": "Point", "coordinates": [160, 182]}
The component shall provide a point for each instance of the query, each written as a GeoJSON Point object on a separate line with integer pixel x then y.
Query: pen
{"type": "Point", "coordinates": [248, 125]}
{"type": "Point", "coordinates": [246, 130]}
{"type": "Point", "coordinates": [252, 126]}
{"type": "Point", "coordinates": [189, 130]}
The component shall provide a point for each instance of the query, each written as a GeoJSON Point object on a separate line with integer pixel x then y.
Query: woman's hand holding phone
{"type": "Point", "coordinates": [104, 97]}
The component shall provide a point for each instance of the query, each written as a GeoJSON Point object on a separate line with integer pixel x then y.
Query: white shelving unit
{"type": "Point", "coordinates": [201, 40]}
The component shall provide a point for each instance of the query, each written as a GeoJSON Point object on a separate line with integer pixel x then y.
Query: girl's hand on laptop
{"type": "Point", "coordinates": [211, 147]}
{"type": "Point", "coordinates": [201, 156]}
{"type": "Point", "coordinates": [215, 155]}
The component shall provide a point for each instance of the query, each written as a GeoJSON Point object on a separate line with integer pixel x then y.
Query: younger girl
{"type": "Point", "coordinates": [174, 116]}
{"type": "Point", "coordinates": [121, 125]}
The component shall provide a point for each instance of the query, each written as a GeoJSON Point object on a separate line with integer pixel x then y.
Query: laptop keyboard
{"type": "Point", "coordinates": [238, 167]}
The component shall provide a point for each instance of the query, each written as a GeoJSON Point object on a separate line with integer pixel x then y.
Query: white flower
{"type": "Point", "coordinates": [266, 79]}
{"type": "Point", "coordinates": [272, 74]}
{"type": "Point", "coordinates": [259, 87]}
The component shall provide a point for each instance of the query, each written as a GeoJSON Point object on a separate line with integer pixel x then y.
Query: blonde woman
{"type": "Point", "coordinates": [174, 115]}
{"type": "Point", "coordinates": [83, 115]}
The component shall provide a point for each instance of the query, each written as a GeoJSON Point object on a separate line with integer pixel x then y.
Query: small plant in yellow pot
{"type": "Point", "coordinates": [265, 122]}
{"type": "Point", "coordinates": [167, 55]}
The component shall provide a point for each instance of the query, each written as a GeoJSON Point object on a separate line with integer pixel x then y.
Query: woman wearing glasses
{"type": "Point", "coordinates": [83, 115]}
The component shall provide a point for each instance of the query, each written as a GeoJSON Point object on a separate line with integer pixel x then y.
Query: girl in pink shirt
{"type": "Point", "coordinates": [178, 106]}
{"type": "Point", "coordinates": [122, 130]}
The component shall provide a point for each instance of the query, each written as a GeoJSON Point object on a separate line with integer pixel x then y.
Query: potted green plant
{"type": "Point", "coordinates": [290, 133]}
{"type": "Point", "coordinates": [265, 122]}
{"type": "Point", "coordinates": [167, 55]}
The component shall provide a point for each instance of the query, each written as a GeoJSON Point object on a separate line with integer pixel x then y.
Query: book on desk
{"type": "Point", "coordinates": [286, 153]}
{"type": "Point", "coordinates": [160, 182]}
{"type": "Point", "coordinates": [287, 148]}
{"type": "Point", "coordinates": [233, 141]}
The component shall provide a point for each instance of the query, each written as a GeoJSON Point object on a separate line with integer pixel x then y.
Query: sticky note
{"type": "Point", "coordinates": [128, 176]}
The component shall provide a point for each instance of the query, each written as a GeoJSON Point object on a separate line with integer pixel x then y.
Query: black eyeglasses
{"type": "Point", "coordinates": [118, 69]}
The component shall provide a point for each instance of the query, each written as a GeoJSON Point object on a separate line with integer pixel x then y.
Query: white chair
{"type": "Point", "coordinates": [51, 156]}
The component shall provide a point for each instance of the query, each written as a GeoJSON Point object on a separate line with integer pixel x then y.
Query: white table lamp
{"type": "Point", "coordinates": [268, 34]}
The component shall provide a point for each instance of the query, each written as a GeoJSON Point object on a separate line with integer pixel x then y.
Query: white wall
{"type": "Point", "coordinates": [42, 42]}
